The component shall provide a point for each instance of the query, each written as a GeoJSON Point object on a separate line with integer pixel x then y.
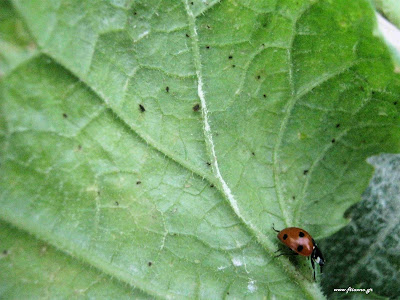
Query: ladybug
{"type": "Point", "coordinates": [301, 242]}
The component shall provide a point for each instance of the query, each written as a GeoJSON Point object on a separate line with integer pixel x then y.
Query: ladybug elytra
{"type": "Point", "coordinates": [301, 242]}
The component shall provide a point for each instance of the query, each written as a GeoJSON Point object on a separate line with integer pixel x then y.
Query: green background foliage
{"type": "Point", "coordinates": [105, 157]}
{"type": "Point", "coordinates": [390, 9]}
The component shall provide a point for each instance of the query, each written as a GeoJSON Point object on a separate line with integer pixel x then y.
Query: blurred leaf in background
{"type": "Point", "coordinates": [365, 254]}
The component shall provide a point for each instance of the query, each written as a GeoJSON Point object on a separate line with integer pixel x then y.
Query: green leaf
{"type": "Point", "coordinates": [15, 43]}
{"type": "Point", "coordinates": [365, 253]}
{"type": "Point", "coordinates": [30, 267]}
{"type": "Point", "coordinates": [106, 156]}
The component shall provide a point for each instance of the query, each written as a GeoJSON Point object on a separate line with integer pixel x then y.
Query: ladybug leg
{"type": "Point", "coordinates": [313, 267]}
{"type": "Point", "coordinates": [286, 254]}
{"type": "Point", "coordinates": [274, 228]}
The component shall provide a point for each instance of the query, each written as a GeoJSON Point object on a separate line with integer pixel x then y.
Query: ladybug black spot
{"type": "Point", "coordinates": [299, 248]}
{"type": "Point", "coordinates": [301, 234]}
{"type": "Point", "coordinates": [285, 236]}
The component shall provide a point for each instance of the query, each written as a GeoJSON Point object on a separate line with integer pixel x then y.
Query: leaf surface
{"type": "Point", "coordinates": [30, 267]}
{"type": "Point", "coordinates": [106, 156]}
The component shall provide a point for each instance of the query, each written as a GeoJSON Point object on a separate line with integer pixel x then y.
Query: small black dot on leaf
{"type": "Point", "coordinates": [138, 182]}
{"type": "Point", "coordinates": [258, 76]}
{"type": "Point", "coordinates": [252, 153]}
{"type": "Point", "coordinates": [208, 27]}
{"type": "Point", "coordinates": [196, 107]}
{"type": "Point", "coordinates": [135, 13]}
{"type": "Point", "coordinates": [211, 185]}
{"type": "Point", "coordinates": [187, 35]}
{"type": "Point", "coordinates": [265, 96]}
{"type": "Point", "coordinates": [65, 115]}
{"type": "Point", "coordinates": [150, 263]}
{"type": "Point", "coordinates": [333, 140]}
{"type": "Point", "coordinates": [395, 102]}
{"type": "Point", "coordinates": [191, 3]}
{"type": "Point", "coordinates": [294, 197]}
{"type": "Point", "coordinates": [233, 66]}
{"type": "Point", "coordinates": [5, 252]}
{"type": "Point", "coordinates": [141, 107]}
{"type": "Point", "coordinates": [208, 47]}
{"type": "Point", "coordinates": [227, 293]}
{"type": "Point", "coordinates": [285, 236]}
{"type": "Point", "coordinates": [116, 203]}
{"type": "Point", "coordinates": [305, 172]}
{"type": "Point", "coordinates": [208, 164]}
{"type": "Point", "coordinates": [337, 125]}
{"type": "Point", "coordinates": [167, 89]}
{"type": "Point", "coordinates": [230, 56]}
{"type": "Point", "coordinates": [79, 147]}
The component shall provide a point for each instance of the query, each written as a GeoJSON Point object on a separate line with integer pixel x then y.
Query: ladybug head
{"type": "Point", "coordinates": [317, 256]}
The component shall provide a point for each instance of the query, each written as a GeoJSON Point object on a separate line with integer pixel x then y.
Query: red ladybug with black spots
{"type": "Point", "coordinates": [301, 242]}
